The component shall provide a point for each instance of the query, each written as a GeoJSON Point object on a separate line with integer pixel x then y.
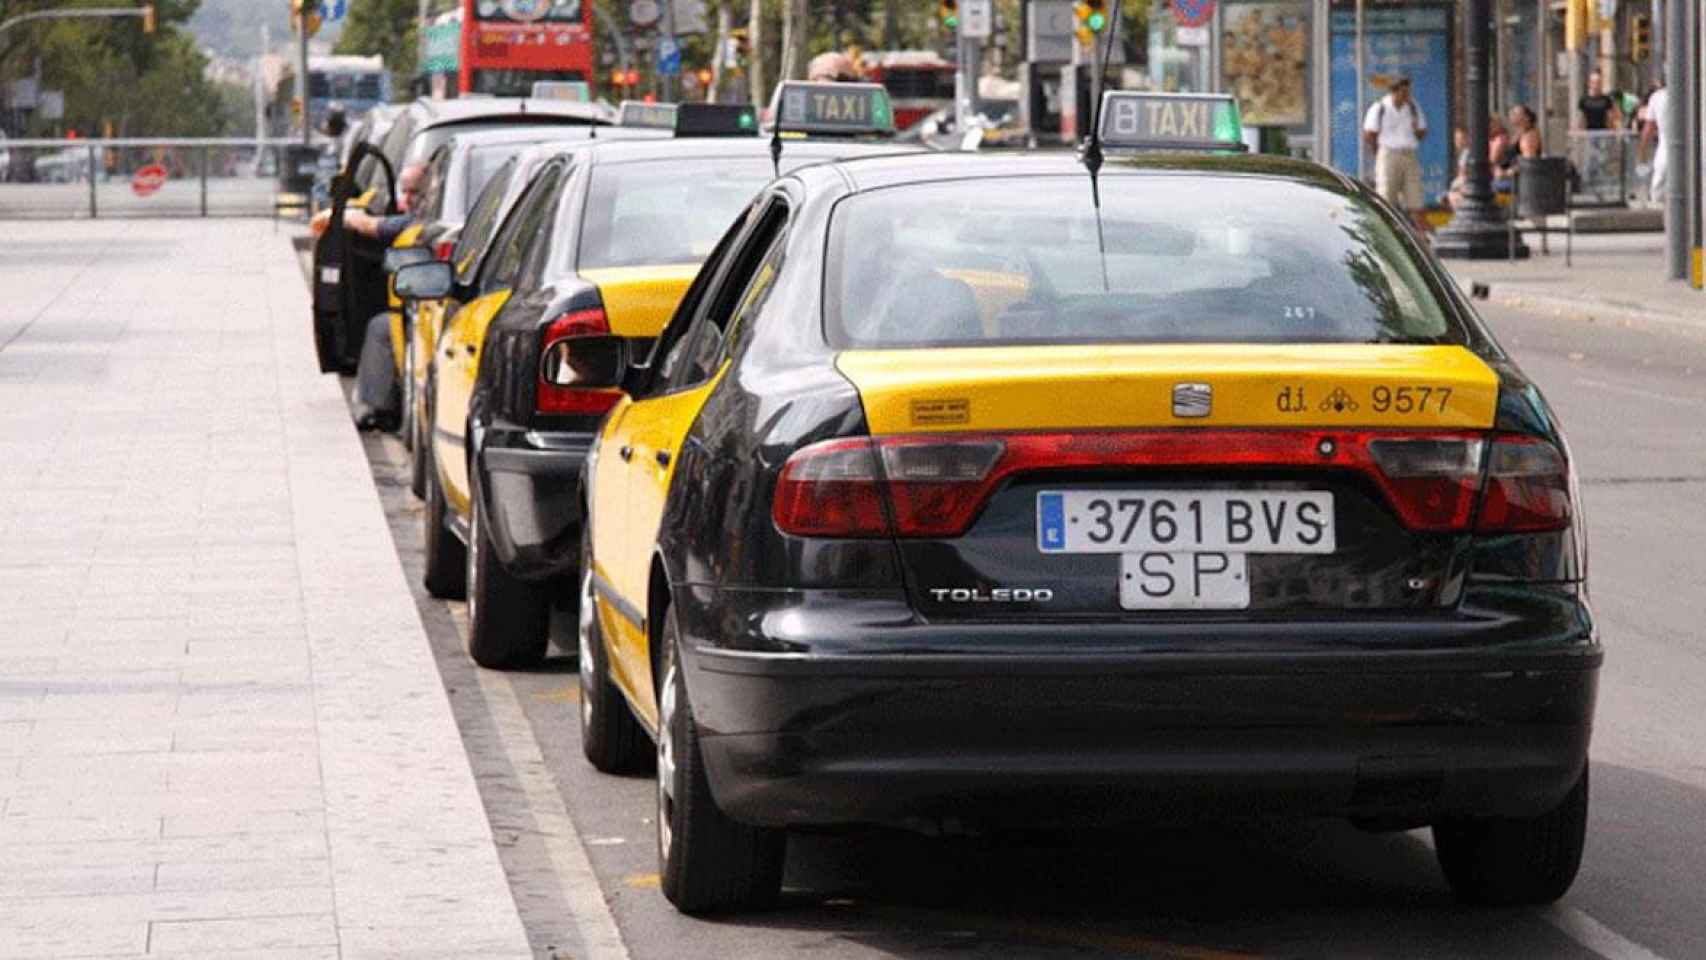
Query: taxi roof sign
{"type": "Point", "coordinates": [1139, 120]}
{"type": "Point", "coordinates": [638, 113]}
{"type": "Point", "coordinates": [574, 91]}
{"type": "Point", "coordinates": [833, 109]}
{"type": "Point", "coordinates": [715, 120]}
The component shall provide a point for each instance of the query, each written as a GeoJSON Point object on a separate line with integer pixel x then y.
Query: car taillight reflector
{"type": "Point", "coordinates": [443, 249]}
{"type": "Point", "coordinates": [831, 489]}
{"type": "Point", "coordinates": [1528, 488]}
{"type": "Point", "coordinates": [935, 485]}
{"type": "Point", "coordinates": [558, 400]}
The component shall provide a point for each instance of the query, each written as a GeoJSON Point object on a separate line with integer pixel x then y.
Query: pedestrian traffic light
{"type": "Point", "coordinates": [1640, 38]}
{"type": "Point", "coordinates": [949, 13]}
{"type": "Point", "coordinates": [148, 19]}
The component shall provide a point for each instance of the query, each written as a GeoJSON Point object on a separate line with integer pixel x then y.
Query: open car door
{"type": "Point", "coordinates": [349, 277]}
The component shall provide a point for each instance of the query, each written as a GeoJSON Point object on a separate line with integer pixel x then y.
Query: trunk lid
{"type": "Point", "coordinates": [638, 301]}
{"type": "Point", "coordinates": [1236, 481]}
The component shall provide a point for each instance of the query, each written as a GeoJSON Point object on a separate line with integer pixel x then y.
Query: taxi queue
{"type": "Point", "coordinates": [942, 490]}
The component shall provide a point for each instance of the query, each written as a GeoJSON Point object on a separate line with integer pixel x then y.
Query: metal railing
{"type": "Point", "coordinates": [1608, 168]}
{"type": "Point", "coordinates": [162, 177]}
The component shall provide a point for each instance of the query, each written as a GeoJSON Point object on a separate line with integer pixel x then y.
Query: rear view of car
{"type": "Point", "coordinates": [1217, 499]}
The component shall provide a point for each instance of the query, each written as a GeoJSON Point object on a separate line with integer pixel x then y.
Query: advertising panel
{"type": "Point", "coordinates": [1264, 56]}
{"type": "Point", "coordinates": [1415, 41]}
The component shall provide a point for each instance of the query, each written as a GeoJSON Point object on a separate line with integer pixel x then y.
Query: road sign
{"type": "Point", "coordinates": [644, 13]}
{"type": "Point", "coordinates": [148, 180]}
{"type": "Point", "coordinates": [669, 57]}
{"type": "Point", "coordinates": [1193, 13]}
{"type": "Point", "coordinates": [977, 19]}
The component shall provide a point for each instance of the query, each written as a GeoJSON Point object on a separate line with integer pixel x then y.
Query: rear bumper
{"type": "Point", "coordinates": [941, 733]}
{"type": "Point", "coordinates": [530, 482]}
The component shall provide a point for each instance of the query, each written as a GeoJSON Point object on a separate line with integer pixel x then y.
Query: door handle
{"type": "Point", "coordinates": [627, 453]}
{"type": "Point", "coordinates": [663, 458]}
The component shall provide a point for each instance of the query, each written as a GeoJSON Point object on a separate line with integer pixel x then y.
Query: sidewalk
{"type": "Point", "coordinates": [1612, 274]}
{"type": "Point", "coordinates": [222, 733]}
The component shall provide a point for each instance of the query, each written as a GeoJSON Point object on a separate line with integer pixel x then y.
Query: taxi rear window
{"type": "Point", "coordinates": [664, 211]}
{"type": "Point", "coordinates": [1188, 259]}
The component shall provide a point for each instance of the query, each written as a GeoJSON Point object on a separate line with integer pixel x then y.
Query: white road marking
{"type": "Point", "coordinates": [1594, 935]}
{"type": "Point", "coordinates": [580, 889]}
{"type": "Point", "coordinates": [1638, 392]}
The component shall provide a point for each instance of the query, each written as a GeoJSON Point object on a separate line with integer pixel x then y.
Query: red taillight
{"type": "Point", "coordinates": [558, 400]}
{"type": "Point", "coordinates": [443, 249]}
{"type": "Point", "coordinates": [1528, 488]}
{"type": "Point", "coordinates": [831, 489]}
{"type": "Point", "coordinates": [935, 485]}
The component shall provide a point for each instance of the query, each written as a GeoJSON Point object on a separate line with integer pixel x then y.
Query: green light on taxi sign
{"type": "Point", "coordinates": [1137, 120]}
{"type": "Point", "coordinates": [715, 120]}
{"type": "Point", "coordinates": [833, 109]}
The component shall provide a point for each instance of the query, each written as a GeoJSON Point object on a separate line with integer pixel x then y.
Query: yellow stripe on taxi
{"type": "Point", "coordinates": [1085, 386]}
{"type": "Point", "coordinates": [638, 301]}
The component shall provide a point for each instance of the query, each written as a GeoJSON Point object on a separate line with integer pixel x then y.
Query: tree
{"type": "Point", "coordinates": [388, 28]}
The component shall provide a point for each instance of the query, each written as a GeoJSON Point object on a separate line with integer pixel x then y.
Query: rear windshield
{"type": "Point", "coordinates": [482, 163]}
{"type": "Point", "coordinates": [1189, 259]}
{"type": "Point", "coordinates": [664, 211]}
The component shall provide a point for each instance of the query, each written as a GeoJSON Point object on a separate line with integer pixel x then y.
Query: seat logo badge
{"type": "Point", "coordinates": [1192, 400]}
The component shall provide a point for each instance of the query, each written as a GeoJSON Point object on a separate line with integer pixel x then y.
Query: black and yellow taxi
{"type": "Point", "coordinates": [349, 269]}
{"type": "Point", "coordinates": [600, 243]}
{"type": "Point", "coordinates": [963, 489]}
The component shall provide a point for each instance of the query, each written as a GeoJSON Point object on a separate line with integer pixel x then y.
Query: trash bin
{"type": "Point", "coordinates": [1542, 190]}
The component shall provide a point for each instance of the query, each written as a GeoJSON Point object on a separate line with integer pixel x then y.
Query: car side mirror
{"type": "Point", "coordinates": [599, 362]}
{"type": "Point", "coordinates": [430, 280]}
{"type": "Point", "coordinates": [396, 258]}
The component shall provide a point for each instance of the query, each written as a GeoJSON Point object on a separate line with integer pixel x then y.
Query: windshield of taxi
{"type": "Point", "coordinates": [1204, 259]}
{"type": "Point", "coordinates": [664, 211]}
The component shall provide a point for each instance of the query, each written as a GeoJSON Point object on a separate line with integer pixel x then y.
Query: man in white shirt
{"type": "Point", "coordinates": [1657, 103]}
{"type": "Point", "coordinates": [1393, 129]}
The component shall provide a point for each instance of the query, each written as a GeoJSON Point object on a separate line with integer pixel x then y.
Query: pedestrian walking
{"type": "Point", "coordinates": [1598, 110]}
{"type": "Point", "coordinates": [1653, 131]}
{"type": "Point", "coordinates": [1394, 129]}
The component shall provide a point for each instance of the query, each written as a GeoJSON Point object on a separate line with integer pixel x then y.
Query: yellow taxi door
{"type": "Point", "coordinates": [648, 444]}
{"type": "Point", "coordinates": [611, 540]}
{"type": "Point", "coordinates": [454, 369]}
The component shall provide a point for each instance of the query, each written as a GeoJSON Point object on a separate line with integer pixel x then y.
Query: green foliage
{"type": "Point", "coordinates": [388, 28]}
{"type": "Point", "coordinates": [114, 75]}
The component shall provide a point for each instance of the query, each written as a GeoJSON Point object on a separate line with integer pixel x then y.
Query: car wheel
{"type": "Point", "coordinates": [420, 449]}
{"type": "Point", "coordinates": [406, 429]}
{"type": "Point", "coordinates": [1510, 861]}
{"type": "Point", "coordinates": [708, 863]}
{"type": "Point", "coordinates": [446, 558]}
{"type": "Point", "coordinates": [613, 741]}
{"type": "Point", "coordinates": [508, 618]}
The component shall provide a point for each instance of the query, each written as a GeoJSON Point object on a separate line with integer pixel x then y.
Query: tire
{"type": "Point", "coordinates": [420, 447]}
{"type": "Point", "coordinates": [1516, 861]}
{"type": "Point", "coordinates": [446, 558]}
{"type": "Point", "coordinates": [708, 863]}
{"type": "Point", "coordinates": [508, 618]}
{"type": "Point", "coordinates": [407, 389]}
{"type": "Point", "coordinates": [613, 741]}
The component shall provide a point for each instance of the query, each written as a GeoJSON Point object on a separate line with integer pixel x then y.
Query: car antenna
{"type": "Point", "coordinates": [776, 147]}
{"type": "Point", "coordinates": [1092, 153]}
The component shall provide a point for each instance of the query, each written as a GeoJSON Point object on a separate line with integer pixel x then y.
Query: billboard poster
{"type": "Point", "coordinates": [1415, 41]}
{"type": "Point", "coordinates": [1264, 56]}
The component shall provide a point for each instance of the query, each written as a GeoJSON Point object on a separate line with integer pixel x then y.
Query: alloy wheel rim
{"type": "Point", "coordinates": [584, 643]}
{"type": "Point", "coordinates": [666, 757]}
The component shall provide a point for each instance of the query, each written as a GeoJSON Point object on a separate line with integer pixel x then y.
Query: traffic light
{"type": "Point", "coordinates": [148, 19]}
{"type": "Point", "coordinates": [1093, 15]}
{"type": "Point", "coordinates": [1640, 38]}
{"type": "Point", "coordinates": [948, 11]}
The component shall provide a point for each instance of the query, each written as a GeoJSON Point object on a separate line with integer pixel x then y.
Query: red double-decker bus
{"type": "Point", "coordinates": [504, 47]}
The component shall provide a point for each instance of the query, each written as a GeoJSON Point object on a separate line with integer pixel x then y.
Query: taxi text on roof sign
{"type": "Point", "coordinates": [833, 108]}
{"type": "Point", "coordinates": [573, 91]}
{"type": "Point", "coordinates": [637, 113]}
{"type": "Point", "coordinates": [715, 120]}
{"type": "Point", "coordinates": [1176, 121]}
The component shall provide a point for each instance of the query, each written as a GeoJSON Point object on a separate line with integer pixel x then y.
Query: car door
{"type": "Point", "coordinates": [458, 361]}
{"type": "Point", "coordinates": [653, 429]}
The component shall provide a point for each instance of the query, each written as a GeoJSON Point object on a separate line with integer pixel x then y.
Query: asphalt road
{"type": "Point", "coordinates": [1632, 396]}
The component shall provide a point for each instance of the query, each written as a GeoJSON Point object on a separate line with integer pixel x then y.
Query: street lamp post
{"type": "Point", "coordinates": [1477, 230]}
